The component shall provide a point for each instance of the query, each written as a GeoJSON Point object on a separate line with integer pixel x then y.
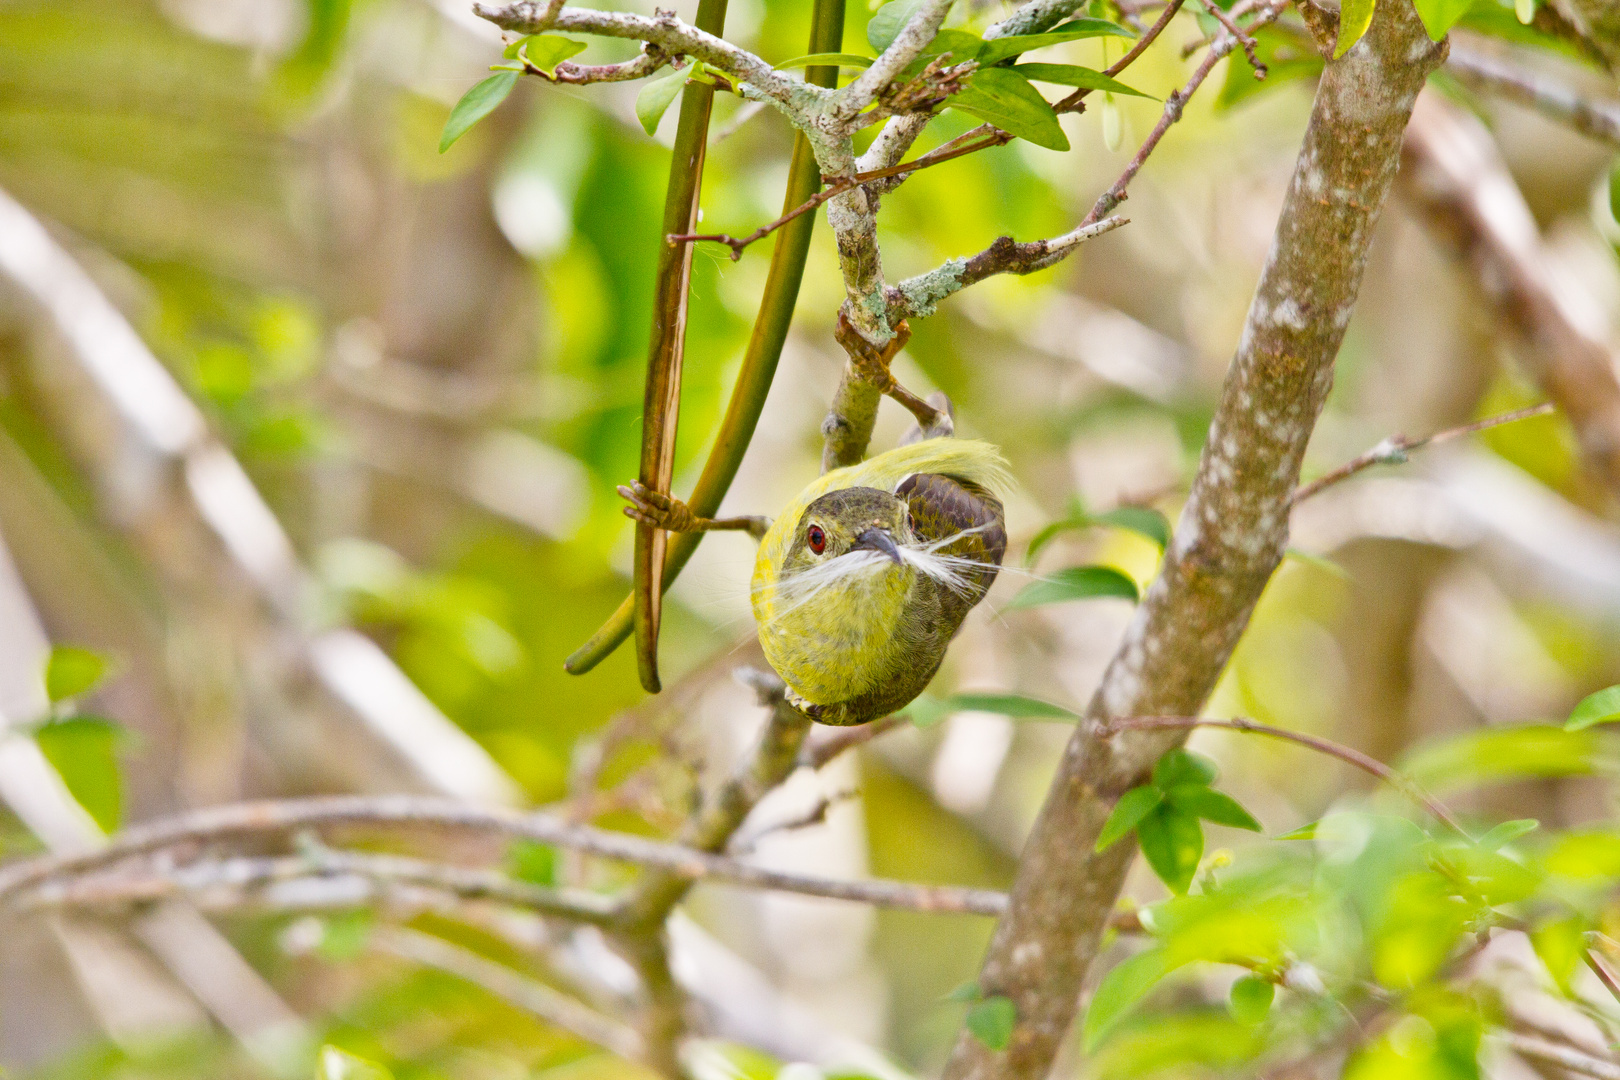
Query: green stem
{"type": "Point", "coordinates": [661, 406]}
{"type": "Point", "coordinates": [759, 362]}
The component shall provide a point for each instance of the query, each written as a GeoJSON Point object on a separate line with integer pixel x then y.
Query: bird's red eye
{"type": "Point", "coordinates": [817, 538]}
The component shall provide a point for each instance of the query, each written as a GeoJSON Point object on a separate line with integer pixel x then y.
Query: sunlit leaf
{"type": "Point", "coordinates": [1075, 583]}
{"type": "Point", "coordinates": [1083, 78]}
{"type": "Point", "coordinates": [998, 49]}
{"type": "Point", "coordinates": [1172, 842]}
{"type": "Point", "coordinates": [546, 51]}
{"type": "Point", "coordinates": [336, 1064]}
{"type": "Point", "coordinates": [1005, 99]}
{"type": "Point", "coordinates": [1131, 808]}
{"type": "Point", "coordinates": [71, 671]}
{"type": "Point", "coordinates": [925, 712]}
{"type": "Point", "coordinates": [1505, 833]}
{"type": "Point", "coordinates": [887, 22]}
{"type": "Point", "coordinates": [655, 98]}
{"type": "Point", "coordinates": [1014, 705]}
{"type": "Point", "coordinates": [84, 753]}
{"type": "Point", "coordinates": [1139, 519]}
{"type": "Point", "coordinates": [968, 991]}
{"type": "Point", "coordinates": [345, 936]}
{"type": "Point", "coordinates": [1125, 985]}
{"type": "Point", "coordinates": [1602, 707]}
{"type": "Point", "coordinates": [1589, 855]}
{"type": "Point", "coordinates": [826, 59]}
{"type": "Point", "coordinates": [1211, 805]}
{"type": "Point", "coordinates": [1560, 944]}
{"type": "Point", "coordinates": [991, 1021]}
{"type": "Point", "coordinates": [1354, 18]}
{"type": "Point", "coordinates": [476, 104]}
{"type": "Point", "coordinates": [1440, 16]}
{"type": "Point", "coordinates": [1250, 998]}
{"type": "Point", "coordinates": [1304, 832]}
{"type": "Point", "coordinates": [1494, 754]}
{"type": "Point", "coordinates": [533, 862]}
{"type": "Point", "coordinates": [1181, 766]}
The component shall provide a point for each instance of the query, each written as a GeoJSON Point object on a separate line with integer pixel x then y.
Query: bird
{"type": "Point", "coordinates": [863, 579]}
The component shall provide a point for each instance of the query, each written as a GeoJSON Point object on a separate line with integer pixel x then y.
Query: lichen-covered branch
{"type": "Point", "coordinates": [906, 47]}
{"type": "Point", "coordinates": [1231, 537]}
{"type": "Point", "coordinates": [920, 295]}
{"type": "Point", "coordinates": [1457, 179]}
{"type": "Point", "coordinates": [670, 34]}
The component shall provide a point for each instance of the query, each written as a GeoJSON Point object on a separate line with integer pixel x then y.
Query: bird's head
{"type": "Point", "coordinates": [854, 528]}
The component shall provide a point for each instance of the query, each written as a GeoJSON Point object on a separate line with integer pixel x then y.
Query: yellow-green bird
{"type": "Point", "coordinates": [866, 575]}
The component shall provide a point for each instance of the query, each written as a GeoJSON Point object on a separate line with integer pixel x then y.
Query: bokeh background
{"type": "Point", "coordinates": [430, 368]}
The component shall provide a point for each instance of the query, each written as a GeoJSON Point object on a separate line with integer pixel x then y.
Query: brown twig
{"type": "Point", "coordinates": [939, 156]}
{"type": "Point", "coordinates": [1553, 98]}
{"type": "Point", "coordinates": [1564, 1057]}
{"type": "Point", "coordinates": [1397, 449]}
{"type": "Point", "coordinates": [1244, 39]}
{"type": "Point", "coordinates": [819, 752]}
{"type": "Point", "coordinates": [237, 820]}
{"type": "Point", "coordinates": [1601, 970]}
{"type": "Point", "coordinates": [1073, 103]}
{"type": "Point", "coordinates": [1347, 754]}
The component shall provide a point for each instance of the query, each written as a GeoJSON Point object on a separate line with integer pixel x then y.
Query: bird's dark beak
{"type": "Point", "coordinates": [878, 540]}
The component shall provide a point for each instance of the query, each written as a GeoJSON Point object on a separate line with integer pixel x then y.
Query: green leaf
{"type": "Point", "coordinates": [1073, 75]}
{"type": "Point", "coordinates": [533, 862]}
{"type": "Point", "coordinates": [655, 98]}
{"type": "Point", "coordinates": [72, 671]}
{"type": "Point", "coordinates": [84, 753]}
{"type": "Point", "coordinates": [888, 21]}
{"type": "Point", "coordinates": [1304, 832]}
{"type": "Point", "coordinates": [1492, 755]}
{"type": "Point", "coordinates": [1249, 1000]}
{"type": "Point", "coordinates": [925, 712]}
{"type": "Point", "coordinates": [1320, 562]}
{"type": "Point", "coordinates": [1005, 99]}
{"type": "Point", "coordinates": [1602, 707]}
{"type": "Point", "coordinates": [1211, 805]}
{"type": "Point", "coordinates": [1143, 520]}
{"type": "Point", "coordinates": [968, 991]}
{"type": "Point", "coordinates": [1440, 16]}
{"type": "Point", "coordinates": [826, 59]}
{"type": "Point", "coordinates": [546, 51]}
{"type": "Point", "coordinates": [1354, 18]}
{"type": "Point", "coordinates": [991, 1021]}
{"type": "Point", "coordinates": [1560, 945]}
{"type": "Point", "coordinates": [1287, 58]}
{"type": "Point", "coordinates": [962, 46]}
{"type": "Point", "coordinates": [1179, 767]}
{"type": "Point", "coordinates": [1075, 583]}
{"type": "Point", "coordinates": [1125, 985]}
{"type": "Point", "coordinates": [1172, 842]}
{"type": "Point", "coordinates": [1131, 808]}
{"type": "Point", "coordinates": [1524, 11]}
{"type": "Point", "coordinates": [1505, 833]}
{"type": "Point", "coordinates": [1004, 48]}
{"type": "Point", "coordinates": [1014, 705]}
{"type": "Point", "coordinates": [345, 936]}
{"type": "Point", "coordinates": [476, 104]}
{"type": "Point", "coordinates": [336, 1064]}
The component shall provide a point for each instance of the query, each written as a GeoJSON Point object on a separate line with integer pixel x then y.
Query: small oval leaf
{"type": "Point", "coordinates": [1123, 986]}
{"type": "Point", "coordinates": [1076, 583]}
{"type": "Point", "coordinates": [655, 98]}
{"type": "Point", "coordinates": [1505, 833]}
{"type": "Point", "coordinates": [1354, 18]}
{"type": "Point", "coordinates": [1173, 843]}
{"type": "Point", "coordinates": [1602, 707]}
{"type": "Point", "coordinates": [887, 22]}
{"type": "Point", "coordinates": [546, 51]}
{"type": "Point", "coordinates": [1132, 807]}
{"type": "Point", "coordinates": [991, 1021]}
{"type": "Point", "coordinates": [72, 671]}
{"type": "Point", "coordinates": [476, 104]}
{"type": "Point", "coordinates": [1212, 805]}
{"type": "Point", "coordinates": [1178, 767]}
{"type": "Point", "coordinates": [1250, 1000]}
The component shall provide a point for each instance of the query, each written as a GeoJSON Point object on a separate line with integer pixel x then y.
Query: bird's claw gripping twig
{"type": "Point", "coordinates": [666, 512]}
{"type": "Point", "coordinates": [871, 363]}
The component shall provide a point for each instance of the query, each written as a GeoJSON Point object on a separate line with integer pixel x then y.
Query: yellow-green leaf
{"type": "Point", "coordinates": [1172, 841]}
{"type": "Point", "coordinates": [1354, 18]}
{"type": "Point", "coordinates": [826, 59]}
{"type": "Point", "coordinates": [72, 671]}
{"type": "Point", "coordinates": [546, 51]}
{"type": "Point", "coordinates": [1602, 707]}
{"type": "Point", "coordinates": [1250, 998]}
{"type": "Point", "coordinates": [991, 1021]}
{"type": "Point", "coordinates": [655, 99]}
{"type": "Point", "coordinates": [476, 104]}
{"type": "Point", "coordinates": [1005, 99]}
{"type": "Point", "coordinates": [84, 753]}
{"type": "Point", "coordinates": [1075, 583]}
{"type": "Point", "coordinates": [1131, 808]}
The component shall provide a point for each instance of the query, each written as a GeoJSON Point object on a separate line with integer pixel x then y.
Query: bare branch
{"type": "Point", "coordinates": [1397, 449]}
{"type": "Point", "coordinates": [684, 864]}
{"type": "Point", "coordinates": [1232, 534]}
{"type": "Point", "coordinates": [921, 295]}
{"type": "Point", "coordinates": [670, 34]}
{"type": "Point", "coordinates": [1565, 1057]}
{"type": "Point", "coordinates": [1553, 98]}
{"type": "Point", "coordinates": [819, 752]}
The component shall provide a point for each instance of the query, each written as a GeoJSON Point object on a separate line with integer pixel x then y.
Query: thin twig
{"type": "Point", "coordinates": [1344, 753]}
{"type": "Point", "coordinates": [819, 752]}
{"type": "Point", "coordinates": [1601, 970]}
{"type": "Point", "coordinates": [1073, 102]}
{"type": "Point", "coordinates": [1563, 1056]}
{"type": "Point", "coordinates": [1243, 38]}
{"type": "Point", "coordinates": [1552, 98]}
{"type": "Point", "coordinates": [409, 811]}
{"type": "Point", "coordinates": [945, 153]}
{"type": "Point", "coordinates": [1396, 449]}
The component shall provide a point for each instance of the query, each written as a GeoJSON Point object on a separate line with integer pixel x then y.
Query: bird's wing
{"type": "Point", "coordinates": [946, 506]}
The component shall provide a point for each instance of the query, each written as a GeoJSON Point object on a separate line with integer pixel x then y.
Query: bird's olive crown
{"type": "Point", "coordinates": [838, 518]}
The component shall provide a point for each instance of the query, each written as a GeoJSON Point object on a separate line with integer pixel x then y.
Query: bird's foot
{"type": "Point", "coordinates": [872, 362]}
{"type": "Point", "coordinates": [797, 700]}
{"type": "Point", "coordinates": [659, 510]}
